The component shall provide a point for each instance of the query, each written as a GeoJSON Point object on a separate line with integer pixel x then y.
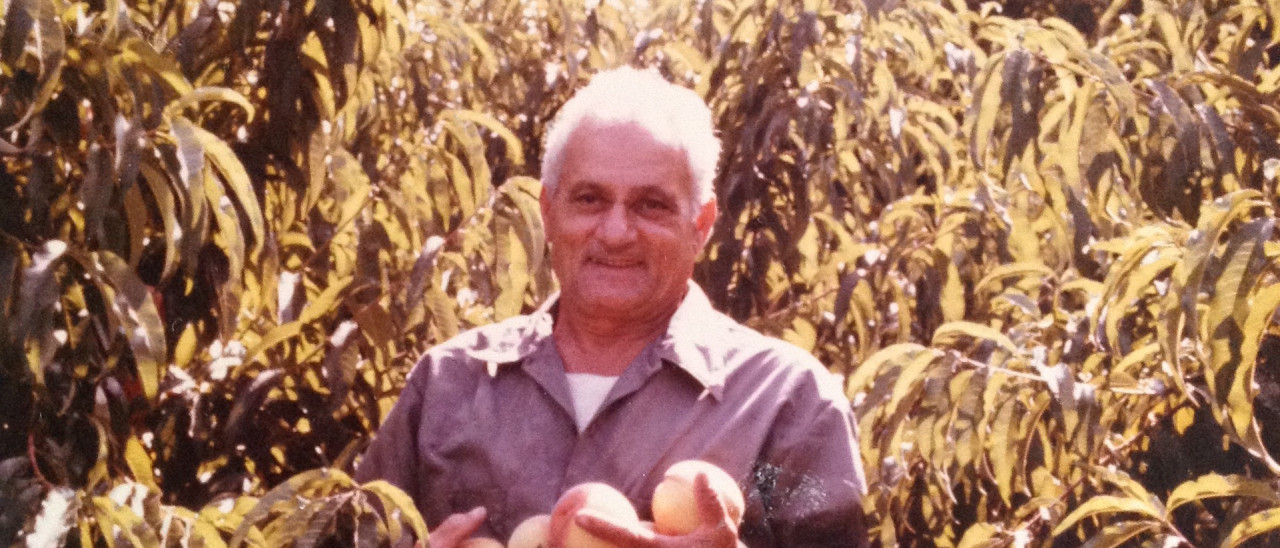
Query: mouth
{"type": "Point", "coordinates": [613, 263]}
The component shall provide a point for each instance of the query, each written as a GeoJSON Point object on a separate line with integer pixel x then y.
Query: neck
{"type": "Point", "coordinates": [590, 342]}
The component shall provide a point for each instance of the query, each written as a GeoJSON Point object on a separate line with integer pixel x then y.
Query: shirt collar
{"type": "Point", "coordinates": [687, 342]}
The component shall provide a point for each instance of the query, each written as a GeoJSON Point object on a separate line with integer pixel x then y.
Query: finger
{"type": "Point", "coordinates": [711, 509]}
{"type": "Point", "coordinates": [609, 531]}
{"type": "Point", "coordinates": [456, 528]}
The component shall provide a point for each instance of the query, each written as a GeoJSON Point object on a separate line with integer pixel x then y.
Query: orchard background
{"type": "Point", "coordinates": [1037, 241]}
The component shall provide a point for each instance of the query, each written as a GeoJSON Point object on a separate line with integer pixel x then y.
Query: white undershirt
{"type": "Point", "coordinates": [588, 392]}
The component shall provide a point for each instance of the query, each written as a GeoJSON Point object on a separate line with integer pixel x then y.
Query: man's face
{"type": "Point", "coordinates": [620, 222]}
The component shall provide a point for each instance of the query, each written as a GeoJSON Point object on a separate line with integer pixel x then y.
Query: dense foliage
{"type": "Point", "coordinates": [1042, 254]}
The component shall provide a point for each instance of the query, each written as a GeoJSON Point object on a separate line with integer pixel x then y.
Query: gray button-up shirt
{"type": "Point", "coordinates": [486, 419]}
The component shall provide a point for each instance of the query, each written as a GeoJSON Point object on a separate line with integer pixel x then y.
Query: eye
{"type": "Point", "coordinates": [655, 205]}
{"type": "Point", "coordinates": [586, 198]}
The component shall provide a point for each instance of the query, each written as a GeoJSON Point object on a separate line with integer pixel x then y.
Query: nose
{"type": "Point", "coordinates": [617, 227]}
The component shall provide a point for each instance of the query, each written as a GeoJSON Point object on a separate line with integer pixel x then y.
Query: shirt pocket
{"type": "Point", "coordinates": [470, 483]}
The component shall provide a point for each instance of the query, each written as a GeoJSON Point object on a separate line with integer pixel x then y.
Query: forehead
{"type": "Point", "coordinates": [624, 156]}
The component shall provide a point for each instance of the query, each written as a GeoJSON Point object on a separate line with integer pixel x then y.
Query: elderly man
{"type": "Point", "coordinates": [629, 370]}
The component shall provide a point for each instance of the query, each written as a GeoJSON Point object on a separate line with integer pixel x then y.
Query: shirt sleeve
{"type": "Point", "coordinates": [392, 455]}
{"type": "Point", "coordinates": [811, 479]}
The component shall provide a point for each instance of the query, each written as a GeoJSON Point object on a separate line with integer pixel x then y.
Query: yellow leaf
{"type": "Point", "coordinates": [949, 332]}
{"type": "Point", "coordinates": [952, 298]}
{"type": "Point", "coordinates": [1262, 522]}
{"type": "Point", "coordinates": [1108, 504]}
{"type": "Point", "coordinates": [140, 463]}
{"type": "Point", "coordinates": [801, 333]}
{"type": "Point", "coordinates": [1215, 485]}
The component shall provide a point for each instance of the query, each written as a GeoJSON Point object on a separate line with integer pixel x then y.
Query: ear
{"type": "Point", "coordinates": [705, 220]}
{"type": "Point", "coordinates": [545, 205]}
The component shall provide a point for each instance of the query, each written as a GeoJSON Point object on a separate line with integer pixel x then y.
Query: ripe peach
{"type": "Point", "coordinates": [597, 497]}
{"type": "Point", "coordinates": [532, 533]}
{"type": "Point", "coordinates": [480, 542]}
{"type": "Point", "coordinates": [675, 504]}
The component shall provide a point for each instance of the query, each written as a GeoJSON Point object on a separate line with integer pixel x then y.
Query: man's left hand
{"type": "Point", "coordinates": [717, 529]}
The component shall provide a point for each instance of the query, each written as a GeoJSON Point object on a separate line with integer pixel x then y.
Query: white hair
{"type": "Point", "coordinates": [673, 115]}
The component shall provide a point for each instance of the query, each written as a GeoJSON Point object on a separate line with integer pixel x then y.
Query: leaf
{"type": "Point", "coordinates": [511, 270]}
{"type": "Point", "coordinates": [19, 19]}
{"type": "Point", "coordinates": [210, 93]}
{"type": "Point", "coordinates": [1116, 84]}
{"type": "Point", "coordinates": [1003, 446]}
{"type": "Point", "coordinates": [57, 514]}
{"type": "Point", "coordinates": [1228, 309]}
{"type": "Point", "coordinates": [1108, 504]}
{"type": "Point", "coordinates": [318, 524]}
{"type": "Point", "coordinates": [232, 173]}
{"type": "Point", "coordinates": [1121, 534]}
{"type": "Point", "coordinates": [37, 295]}
{"type": "Point", "coordinates": [312, 483]}
{"type": "Point", "coordinates": [981, 535]}
{"type": "Point", "coordinates": [1265, 521]}
{"type": "Point", "coordinates": [1244, 389]}
{"type": "Point", "coordinates": [953, 303]}
{"type": "Point", "coordinates": [868, 370]}
{"type": "Point", "coordinates": [323, 305]}
{"type": "Point", "coordinates": [1215, 485]}
{"type": "Point", "coordinates": [515, 151]}
{"type": "Point", "coordinates": [394, 500]}
{"type": "Point", "coordinates": [50, 45]}
{"type": "Point", "coordinates": [947, 333]}
{"type": "Point", "coordinates": [1013, 270]}
{"type": "Point", "coordinates": [801, 333]}
{"type": "Point", "coordinates": [443, 314]}
{"type": "Point", "coordinates": [986, 109]}
{"type": "Point", "coordinates": [136, 311]}
{"type": "Point", "coordinates": [140, 464]}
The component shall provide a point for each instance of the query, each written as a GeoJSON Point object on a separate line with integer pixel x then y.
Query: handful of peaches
{"type": "Point", "coordinates": [675, 510]}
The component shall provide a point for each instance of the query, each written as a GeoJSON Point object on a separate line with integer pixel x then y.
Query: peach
{"type": "Point", "coordinates": [597, 497]}
{"type": "Point", "coordinates": [675, 504]}
{"type": "Point", "coordinates": [480, 542]}
{"type": "Point", "coordinates": [532, 533]}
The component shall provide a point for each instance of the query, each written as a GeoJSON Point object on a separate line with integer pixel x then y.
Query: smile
{"type": "Point", "coordinates": [614, 263]}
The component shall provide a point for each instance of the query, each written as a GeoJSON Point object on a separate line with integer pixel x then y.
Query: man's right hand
{"type": "Point", "coordinates": [456, 528]}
